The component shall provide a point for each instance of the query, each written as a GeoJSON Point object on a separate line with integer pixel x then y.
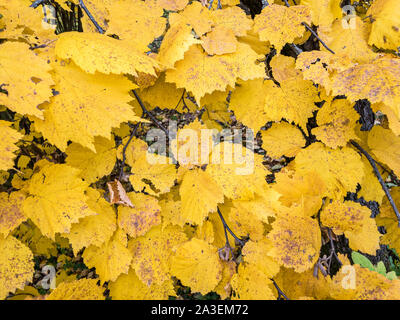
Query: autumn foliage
{"type": "Point", "coordinates": [318, 86]}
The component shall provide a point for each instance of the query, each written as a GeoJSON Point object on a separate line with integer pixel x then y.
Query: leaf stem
{"type": "Point", "coordinates": [83, 6]}
{"type": "Point", "coordinates": [133, 133]}
{"type": "Point", "coordinates": [378, 175]}
{"type": "Point", "coordinates": [280, 292]}
{"type": "Point", "coordinates": [240, 241]}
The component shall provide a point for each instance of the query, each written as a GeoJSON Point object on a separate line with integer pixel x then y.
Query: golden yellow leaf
{"type": "Point", "coordinates": [200, 195]}
{"type": "Point", "coordinates": [171, 209]}
{"type": "Point", "coordinates": [280, 25]}
{"type": "Point", "coordinates": [96, 52]}
{"type": "Point", "coordinates": [219, 41]}
{"type": "Point", "coordinates": [195, 15]}
{"type": "Point", "coordinates": [283, 68]}
{"type": "Point", "coordinates": [232, 18]}
{"type": "Point", "coordinates": [282, 139]}
{"type": "Point", "coordinates": [16, 265]}
{"type": "Point", "coordinates": [377, 81]}
{"type": "Point", "coordinates": [138, 22]}
{"type": "Point", "coordinates": [11, 214]}
{"type": "Point", "coordinates": [152, 253]}
{"type": "Point", "coordinates": [93, 165]}
{"type": "Point", "coordinates": [247, 102]}
{"type": "Point", "coordinates": [129, 287]}
{"type": "Point", "coordinates": [336, 123]}
{"type": "Point", "coordinates": [83, 289]}
{"type": "Point", "coordinates": [95, 229]}
{"type": "Point", "coordinates": [111, 259]}
{"type": "Point", "coordinates": [8, 138]}
{"type": "Point", "coordinates": [292, 246]}
{"type": "Point", "coordinates": [173, 5]}
{"type": "Point", "coordinates": [25, 77]}
{"type": "Point", "coordinates": [87, 107]}
{"type": "Point", "coordinates": [251, 284]}
{"type": "Point", "coordinates": [142, 217]}
{"type": "Point", "coordinates": [196, 263]}
{"type": "Point", "coordinates": [323, 12]}
{"type": "Point", "coordinates": [176, 42]}
{"type": "Point", "coordinates": [384, 145]}
{"type": "Point", "coordinates": [56, 199]}
{"type": "Point", "coordinates": [224, 287]}
{"type": "Point", "coordinates": [371, 189]}
{"type": "Point", "coordinates": [385, 17]}
{"type": "Point", "coordinates": [340, 169]}
{"type": "Point", "coordinates": [367, 240]}
{"type": "Point", "coordinates": [293, 100]}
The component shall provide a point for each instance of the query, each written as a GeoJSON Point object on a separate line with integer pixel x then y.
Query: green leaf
{"type": "Point", "coordinates": [381, 268]}
{"type": "Point", "coordinates": [363, 261]}
{"type": "Point", "coordinates": [391, 275]}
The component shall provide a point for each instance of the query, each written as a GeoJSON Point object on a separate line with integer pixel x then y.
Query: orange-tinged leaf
{"type": "Point", "coordinates": [173, 5]}
{"type": "Point", "coordinates": [11, 214]}
{"type": "Point", "coordinates": [219, 41]}
{"type": "Point", "coordinates": [118, 194]}
{"type": "Point", "coordinates": [283, 68]}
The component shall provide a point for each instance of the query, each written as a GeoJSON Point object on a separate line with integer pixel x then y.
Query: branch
{"type": "Point", "coordinates": [240, 241]}
{"type": "Point", "coordinates": [99, 29]}
{"type": "Point", "coordinates": [312, 31]}
{"type": "Point", "coordinates": [280, 292]}
{"type": "Point", "coordinates": [37, 3]}
{"type": "Point", "coordinates": [378, 175]}
{"type": "Point", "coordinates": [151, 116]}
{"type": "Point", "coordinates": [133, 133]}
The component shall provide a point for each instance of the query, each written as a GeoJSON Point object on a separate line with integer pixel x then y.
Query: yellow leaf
{"type": "Point", "coordinates": [280, 25]}
{"type": "Point", "coordinates": [173, 5]}
{"type": "Point", "coordinates": [95, 229]}
{"type": "Point", "coordinates": [138, 22]}
{"type": "Point", "coordinates": [11, 214]}
{"type": "Point", "coordinates": [282, 139]}
{"type": "Point", "coordinates": [16, 265]}
{"type": "Point", "coordinates": [111, 259]}
{"type": "Point", "coordinates": [84, 108]}
{"type": "Point", "coordinates": [292, 246]}
{"type": "Point", "coordinates": [93, 165]}
{"type": "Point", "coordinates": [8, 138]}
{"type": "Point", "coordinates": [323, 12]}
{"type": "Point", "coordinates": [25, 77]}
{"type": "Point", "coordinates": [197, 265]}
{"type": "Point", "coordinates": [367, 240]}
{"type": "Point", "coordinates": [200, 195]}
{"type": "Point", "coordinates": [385, 17]}
{"type": "Point", "coordinates": [219, 41]}
{"type": "Point", "coordinates": [96, 52]}
{"type": "Point", "coordinates": [83, 289]}
{"type": "Point", "coordinates": [56, 199]}
{"type": "Point", "coordinates": [340, 169]}
{"type": "Point", "coordinates": [251, 284]}
{"type": "Point", "coordinates": [293, 100]}
{"type": "Point", "coordinates": [233, 18]}
{"type": "Point", "coordinates": [176, 42]}
{"type": "Point", "coordinates": [224, 287]}
{"type": "Point", "coordinates": [129, 287]}
{"type": "Point", "coordinates": [142, 217]}
{"type": "Point", "coordinates": [371, 189]}
{"type": "Point", "coordinates": [336, 123]}
{"type": "Point", "coordinates": [283, 68]}
{"type": "Point", "coordinates": [385, 146]}
{"type": "Point", "coordinates": [152, 253]}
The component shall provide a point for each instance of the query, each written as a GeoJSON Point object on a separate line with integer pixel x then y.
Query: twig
{"type": "Point", "coordinates": [37, 3]}
{"type": "Point", "coordinates": [312, 31]}
{"type": "Point", "coordinates": [332, 249]}
{"type": "Point", "coordinates": [133, 133]}
{"type": "Point", "coordinates": [240, 241]}
{"type": "Point", "coordinates": [280, 292]}
{"type": "Point", "coordinates": [151, 116]}
{"type": "Point", "coordinates": [378, 175]}
{"type": "Point", "coordinates": [40, 46]}
{"type": "Point", "coordinates": [99, 29]}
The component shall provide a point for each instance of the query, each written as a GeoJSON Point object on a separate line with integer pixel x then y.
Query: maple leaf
{"type": "Point", "coordinates": [11, 213]}
{"type": "Point", "coordinates": [96, 52]}
{"type": "Point", "coordinates": [8, 138]}
{"type": "Point", "coordinates": [385, 27]}
{"type": "Point", "coordinates": [27, 83]}
{"type": "Point", "coordinates": [129, 287]}
{"type": "Point", "coordinates": [16, 265]}
{"type": "Point", "coordinates": [87, 107]}
{"type": "Point", "coordinates": [56, 199]}
{"type": "Point", "coordinates": [280, 25]}
{"type": "Point", "coordinates": [197, 265]}
{"type": "Point", "coordinates": [110, 259]}
{"type": "Point", "coordinates": [282, 139]}
{"type": "Point", "coordinates": [83, 289]}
